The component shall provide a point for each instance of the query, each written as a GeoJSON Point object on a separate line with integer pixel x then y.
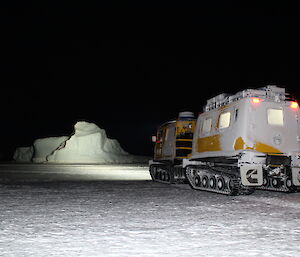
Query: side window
{"type": "Point", "coordinates": [224, 120]}
{"type": "Point", "coordinates": [159, 135]}
{"type": "Point", "coordinates": [166, 134]}
{"type": "Point", "coordinates": [275, 117]}
{"type": "Point", "coordinates": [169, 133]}
{"type": "Point", "coordinates": [206, 126]}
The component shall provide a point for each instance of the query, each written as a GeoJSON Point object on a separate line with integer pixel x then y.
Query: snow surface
{"type": "Point", "coordinates": [88, 144]}
{"type": "Point", "coordinates": [143, 218]}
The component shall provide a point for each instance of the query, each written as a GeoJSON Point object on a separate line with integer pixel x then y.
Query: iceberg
{"type": "Point", "coordinates": [43, 147]}
{"type": "Point", "coordinates": [87, 144]}
{"type": "Point", "coordinates": [23, 154]}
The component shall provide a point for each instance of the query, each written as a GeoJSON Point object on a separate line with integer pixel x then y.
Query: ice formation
{"type": "Point", "coordinates": [88, 144]}
{"type": "Point", "coordinates": [44, 147]}
{"type": "Point", "coordinates": [23, 154]}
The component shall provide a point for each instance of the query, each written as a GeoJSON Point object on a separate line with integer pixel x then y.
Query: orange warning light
{"type": "Point", "coordinates": [294, 105]}
{"type": "Point", "coordinates": [256, 100]}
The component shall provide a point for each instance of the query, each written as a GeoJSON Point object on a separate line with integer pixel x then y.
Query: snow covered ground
{"type": "Point", "coordinates": [103, 217]}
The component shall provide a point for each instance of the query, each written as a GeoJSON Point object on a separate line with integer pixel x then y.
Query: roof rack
{"type": "Point", "coordinates": [270, 92]}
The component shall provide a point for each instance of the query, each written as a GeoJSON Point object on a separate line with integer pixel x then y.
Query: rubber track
{"type": "Point", "coordinates": [235, 189]}
{"type": "Point", "coordinates": [156, 174]}
{"type": "Point", "coordinates": [281, 188]}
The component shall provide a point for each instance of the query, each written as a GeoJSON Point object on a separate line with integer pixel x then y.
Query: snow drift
{"type": "Point", "coordinates": [88, 144]}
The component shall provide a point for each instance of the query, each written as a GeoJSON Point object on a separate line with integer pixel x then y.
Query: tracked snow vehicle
{"type": "Point", "coordinates": [245, 141]}
{"type": "Point", "coordinates": [240, 142]}
{"type": "Point", "coordinates": [173, 143]}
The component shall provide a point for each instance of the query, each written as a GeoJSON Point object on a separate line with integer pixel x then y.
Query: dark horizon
{"type": "Point", "coordinates": [130, 69]}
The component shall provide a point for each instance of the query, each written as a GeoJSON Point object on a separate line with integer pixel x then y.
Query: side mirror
{"type": "Point", "coordinates": [154, 139]}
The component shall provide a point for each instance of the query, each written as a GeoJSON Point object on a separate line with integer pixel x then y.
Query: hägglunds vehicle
{"type": "Point", "coordinates": [241, 142]}
{"type": "Point", "coordinates": [173, 143]}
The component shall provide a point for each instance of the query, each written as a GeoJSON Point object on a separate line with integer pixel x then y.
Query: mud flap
{"type": "Point", "coordinates": [296, 176]}
{"type": "Point", "coordinates": [251, 175]}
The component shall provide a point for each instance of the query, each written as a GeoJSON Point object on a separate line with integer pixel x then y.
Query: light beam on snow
{"type": "Point", "coordinates": [78, 172]}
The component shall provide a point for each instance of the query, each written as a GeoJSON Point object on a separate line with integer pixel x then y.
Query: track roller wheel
{"type": "Point", "coordinates": [157, 174]}
{"type": "Point", "coordinates": [167, 176]}
{"type": "Point", "coordinates": [205, 181]}
{"type": "Point", "coordinates": [289, 185]}
{"type": "Point", "coordinates": [220, 183]}
{"type": "Point", "coordinates": [164, 176]}
{"type": "Point", "coordinates": [197, 181]}
{"type": "Point", "coordinates": [266, 182]}
{"type": "Point", "coordinates": [276, 182]}
{"type": "Point", "coordinates": [212, 182]}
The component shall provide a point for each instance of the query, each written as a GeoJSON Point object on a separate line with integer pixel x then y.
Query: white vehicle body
{"type": "Point", "coordinates": [254, 130]}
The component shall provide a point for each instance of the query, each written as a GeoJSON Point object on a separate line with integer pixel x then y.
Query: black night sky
{"type": "Point", "coordinates": [128, 66]}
